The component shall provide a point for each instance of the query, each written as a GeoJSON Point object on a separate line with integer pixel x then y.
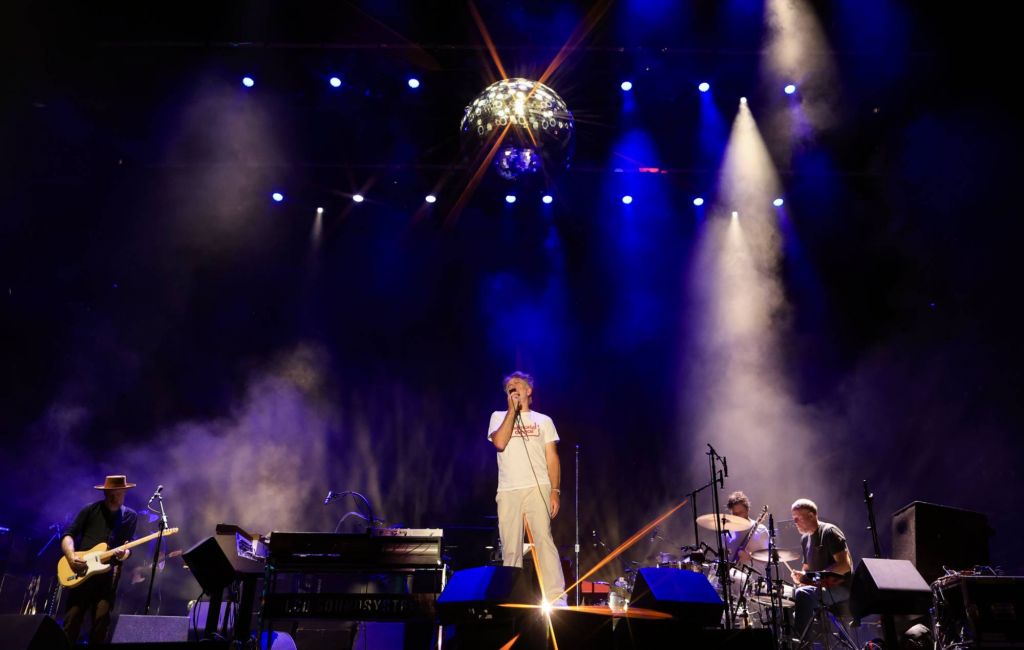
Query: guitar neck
{"type": "Point", "coordinates": [135, 542]}
{"type": "Point", "coordinates": [750, 534]}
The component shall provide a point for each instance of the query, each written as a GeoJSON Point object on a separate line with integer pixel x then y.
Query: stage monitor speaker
{"type": "Point", "coordinates": [210, 563]}
{"type": "Point", "coordinates": [888, 587]}
{"type": "Point", "coordinates": [933, 536]}
{"type": "Point", "coordinates": [31, 632]}
{"type": "Point", "coordinates": [149, 629]}
{"type": "Point", "coordinates": [686, 595]}
{"type": "Point", "coordinates": [477, 593]}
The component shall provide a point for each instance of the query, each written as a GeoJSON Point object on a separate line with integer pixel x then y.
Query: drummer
{"type": "Point", "coordinates": [740, 544]}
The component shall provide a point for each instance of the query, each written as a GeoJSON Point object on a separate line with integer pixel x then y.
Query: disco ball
{"type": "Point", "coordinates": [539, 127]}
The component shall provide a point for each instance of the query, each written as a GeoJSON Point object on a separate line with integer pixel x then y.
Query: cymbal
{"type": "Point", "coordinates": [730, 523]}
{"type": "Point", "coordinates": [763, 555]}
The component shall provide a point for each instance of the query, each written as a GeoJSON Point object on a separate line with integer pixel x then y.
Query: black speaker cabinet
{"type": "Point", "coordinates": [686, 595]}
{"type": "Point", "coordinates": [150, 629]}
{"type": "Point", "coordinates": [31, 632]}
{"type": "Point", "coordinates": [477, 593]}
{"type": "Point", "coordinates": [932, 536]}
{"type": "Point", "coordinates": [888, 587]}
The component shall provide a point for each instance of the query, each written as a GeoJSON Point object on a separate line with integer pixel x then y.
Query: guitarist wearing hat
{"type": "Point", "coordinates": [106, 521]}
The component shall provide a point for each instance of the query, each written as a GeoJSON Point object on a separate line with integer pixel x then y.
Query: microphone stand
{"type": "Point", "coordinates": [54, 593]}
{"type": "Point", "coordinates": [576, 506]}
{"type": "Point", "coordinates": [724, 579]}
{"type": "Point", "coordinates": [156, 550]}
{"type": "Point", "coordinates": [888, 625]}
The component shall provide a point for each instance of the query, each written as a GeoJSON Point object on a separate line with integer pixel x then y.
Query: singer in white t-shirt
{"type": "Point", "coordinates": [529, 476]}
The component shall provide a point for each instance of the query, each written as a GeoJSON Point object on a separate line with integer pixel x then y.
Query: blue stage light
{"type": "Point", "coordinates": [627, 199]}
{"type": "Point", "coordinates": [248, 82]}
{"type": "Point", "coordinates": [699, 201]}
{"type": "Point", "coordinates": [335, 82]}
{"type": "Point", "coordinates": [431, 198]}
{"type": "Point", "coordinates": [778, 202]}
{"type": "Point", "coordinates": [547, 199]}
{"type": "Point", "coordinates": [277, 196]}
{"type": "Point", "coordinates": [358, 198]}
{"type": "Point", "coordinates": [789, 89]}
{"type": "Point", "coordinates": [626, 86]}
{"type": "Point", "coordinates": [510, 198]}
{"type": "Point", "coordinates": [414, 82]}
{"type": "Point", "coordinates": [704, 87]}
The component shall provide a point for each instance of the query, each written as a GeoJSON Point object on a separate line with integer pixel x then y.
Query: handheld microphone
{"type": "Point", "coordinates": [330, 495]}
{"type": "Point", "coordinates": [156, 494]}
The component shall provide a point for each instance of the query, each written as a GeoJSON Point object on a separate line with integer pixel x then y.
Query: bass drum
{"type": "Point", "coordinates": [759, 606]}
{"type": "Point", "coordinates": [741, 580]}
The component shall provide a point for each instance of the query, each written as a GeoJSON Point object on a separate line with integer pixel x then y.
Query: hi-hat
{"type": "Point", "coordinates": [764, 555]}
{"type": "Point", "coordinates": [729, 523]}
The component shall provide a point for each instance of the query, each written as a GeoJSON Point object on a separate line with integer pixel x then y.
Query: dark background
{"type": "Point", "coordinates": [162, 317]}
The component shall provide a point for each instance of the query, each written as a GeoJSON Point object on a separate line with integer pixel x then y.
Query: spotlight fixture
{"type": "Point", "coordinates": [335, 82]}
{"type": "Point", "coordinates": [277, 196]}
{"type": "Point", "coordinates": [704, 87]}
{"type": "Point", "coordinates": [413, 82]}
{"type": "Point", "coordinates": [626, 86]}
{"type": "Point", "coordinates": [699, 201]}
{"type": "Point", "coordinates": [778, 202]}
{"type": "Point", "coordinates": [743, 100]}
{"type": "Point", "coordinates": [430, 198]}
{"type": "Point", "coordinates": [248, 82]}
{"type": "Point", "coordinates": [735, 215]}
{"type": "Point", "coordinates": [789, 89]}
{"type": "Point", "coordinates": [510, 198]}
{"type": "Point", "coordinates": [627, 199]}
{"type": "Point", "coordinates": [319, 210]}
{"type": "Point", "coordinates": [547, 199]}
{"type": "Point", "coordinates": [358, 198]}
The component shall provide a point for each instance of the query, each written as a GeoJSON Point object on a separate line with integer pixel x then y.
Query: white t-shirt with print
{"type": "Point", "coordinates": [514, 463]}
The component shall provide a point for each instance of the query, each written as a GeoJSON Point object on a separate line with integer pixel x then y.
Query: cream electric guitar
{"type": "Point", "coordinates": [96, 559]}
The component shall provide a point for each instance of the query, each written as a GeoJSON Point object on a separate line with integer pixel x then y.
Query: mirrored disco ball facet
{"type": "Point", "coordinates": [537, 126]}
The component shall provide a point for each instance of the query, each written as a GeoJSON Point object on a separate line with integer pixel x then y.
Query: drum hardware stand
{"type": "Point", "coordinates": [825, 617]}
{"type": "Point", "coordinates": [888, 625]}
{"type": "Point", "coordinates": [774, 585]}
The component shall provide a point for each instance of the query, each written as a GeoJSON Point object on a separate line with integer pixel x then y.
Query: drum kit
{"type": "Point", "coordinates": [747, 584]}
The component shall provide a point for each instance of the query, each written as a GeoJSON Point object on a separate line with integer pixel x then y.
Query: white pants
{"type": "Point", "coordinates": [512, 506]}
